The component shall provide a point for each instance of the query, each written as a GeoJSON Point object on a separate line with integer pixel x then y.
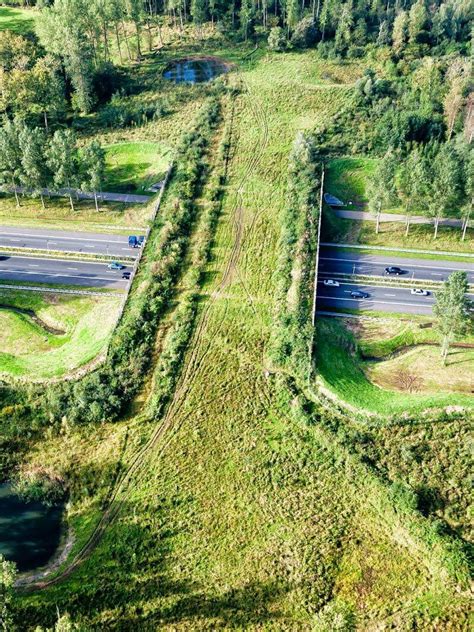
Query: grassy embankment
{"type": "Point", "coordinates": [377, 386]}
{"type": "Point", "coordinates": [241, 514]}
{"type": "Point", "coordinates": [347, 178]}
{"type": "Point", "coordinates": [62, 334]}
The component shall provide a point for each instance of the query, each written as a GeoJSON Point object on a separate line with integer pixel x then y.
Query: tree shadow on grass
{"type": "Point", "coordinates": [130, 583]}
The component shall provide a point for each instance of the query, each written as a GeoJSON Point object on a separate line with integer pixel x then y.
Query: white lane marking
{"type": "Point", "coordinates": [437, 274]}
{"type": "Point", "coordinates": [390, 295]}
{"type": "Point", "coordinates": [33, 265]}
{"type": "Point", "coordinates": [383, 263]}
{"type": "Point", "coordinates": [57, 274]}
{"type": "Point", "coordinates": [375, 300]}
{"type": "Point", "coordinates": [73, 268]}
{"type": "Point", "coordinates": [14, 240]}
{"type": "Point", "coordinates": [90, 263]}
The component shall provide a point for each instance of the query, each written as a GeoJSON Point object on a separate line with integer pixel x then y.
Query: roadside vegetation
{"type": "Point", "coordinates": [209, 484]}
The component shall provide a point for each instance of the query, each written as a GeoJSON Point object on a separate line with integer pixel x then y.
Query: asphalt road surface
{"type": "Point", "coordinates": [332, 260]}
{"type": "Point", "coordinates": [381, 299]}
{"type": "Point", "coordinates": [66, 241]}
{"type": "Point", "coordinates": [31, 270]}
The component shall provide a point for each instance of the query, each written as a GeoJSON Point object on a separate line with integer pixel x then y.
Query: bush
{"type": "Point", "coordinates": [305, 33]}
{"type": "Point", "coordinates": [277, 40]}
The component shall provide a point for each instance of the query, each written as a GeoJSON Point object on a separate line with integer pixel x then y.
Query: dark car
{"type": "Point", "coordinates": [140, 241]}
{"type": "Point", "coordinates": [359, 294]}
{"type": "Point", "coordinates": [394, 270]}
{"type": "Point", "coordinates": [126, 275]}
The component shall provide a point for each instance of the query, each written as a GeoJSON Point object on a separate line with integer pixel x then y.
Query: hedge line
{"type": "Point", "coordinates": [105, 393]}
{"type": "Point", "coordinates": [293, 333]}
{"type": "Point", "coordinates": [171, 359]}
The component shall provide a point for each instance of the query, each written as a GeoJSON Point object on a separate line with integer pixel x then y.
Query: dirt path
{"type": "Point", "coordinates": [199, 348]}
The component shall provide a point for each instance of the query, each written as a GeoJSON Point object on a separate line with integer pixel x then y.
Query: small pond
{"type": "Point", "coordinates": [195, 70]}
{"type": "Point", "coordinates": [29, 531]}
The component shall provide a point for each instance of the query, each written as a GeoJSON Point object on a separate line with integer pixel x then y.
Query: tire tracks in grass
{"type": "Point", "coordinates": [124, 487]}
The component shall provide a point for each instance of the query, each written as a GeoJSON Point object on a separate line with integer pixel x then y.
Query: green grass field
{"type": "Point", "coordinates": [65, 333]}
{"type": "Point", "coordinates": [134, 167]}
{"type": "Point", "coordinates": [244, 512]}
{"type": "Point", "coordinates": [18, 20]}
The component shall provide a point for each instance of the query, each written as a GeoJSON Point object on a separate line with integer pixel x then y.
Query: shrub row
{"type": "Point", "coordinates": [293, 333]}
{"type": "Point", "coordinates": [169, 364]}
{"type": "Point", "coordinates": [105, 393]}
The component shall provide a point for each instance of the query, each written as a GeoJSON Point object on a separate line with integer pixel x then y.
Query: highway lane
{"type": "Point", "coordinates": [31, 270]}
{"type": "Point", "coordinates": [381, 298]}
{"type": "Point", "coordinates": [66, 241]}
{"type": "Point", "coordinates": [332, 260]}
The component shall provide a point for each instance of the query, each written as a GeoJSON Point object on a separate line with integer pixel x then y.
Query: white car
{"type": "Point", "coordinates": [331, 282]}
{"type": "Point", "coordinates": [419, 292]}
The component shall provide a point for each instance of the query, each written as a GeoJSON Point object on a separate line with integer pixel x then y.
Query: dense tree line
{"type": "Point", "coordinates": [85, 36]}
{"type": "Point", "coordinates": [35, 162]}
{"type": "Point", "coordinates": [435, 179]}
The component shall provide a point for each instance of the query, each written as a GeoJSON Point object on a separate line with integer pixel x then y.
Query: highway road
{"type": "Point", "coordinates": [32, 270]}
{"type": "Point", "coordinates": [381, 298]}
{"type": "Point", "coordinates": [333, 260]}
{"type": "Point", "coordinates": [66, 241]}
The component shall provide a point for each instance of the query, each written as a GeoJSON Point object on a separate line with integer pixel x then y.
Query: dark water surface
{"type": "Point", "coordinates": [29, 531]}
{"type": "Point", "coordinates": [194, 70]}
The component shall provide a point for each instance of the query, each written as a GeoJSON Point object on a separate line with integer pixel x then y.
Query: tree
{"type": "Point", "coordinates": [468, 191]}
{"type": "Point", "coordinates": [246, 14]}
{"type": "Point", "coordinates": [292, 14]}
{"type": "Point", "coordinates": [7, 581]}
{"type": "Point", "coordinates": [417, 22]}
{"type": "Point", "coordinates": [135, 14]}
{"type": "Point", "coordinates": [10, 156]}
{"type": "Point", "coordinates": [382, 186]}
{"type": "Point", "coordinates": [412, 185]}
{"type": "Point", "coordinates": [452, 310]}
{"type": "Point", "coordinates": [63, 161]}
{"type": "Point", "coordinates": [93, 168]}
{"type": "Point", "coordinates": [47, 88]}
{"type": "Point", "coordinates": [35, 173]}
{"type": "Point", "coordinates": [67, 31]}
{"type": "Point", "coordinates": [344, 26]}
{"type": "Point", "coordinates": [400, 32]}
{"type": "Point", "coordinates": [198, 12]}
{"type": "Point", "coordinates": [446, 190]}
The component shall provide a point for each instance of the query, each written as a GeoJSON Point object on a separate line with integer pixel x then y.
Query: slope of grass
{"type": "Point", "coordinates": [58, 214]}
{"type": "Point", "coordinates": [134, 167]}
{"type": "Point", "coordinates": [29, 349]}
{"type": "Point", "coordinates": [20, 21]}
{"type": "Point", "coordinates": [240, 514]}
{"type": "Point", "coordinates": [341, 370]}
